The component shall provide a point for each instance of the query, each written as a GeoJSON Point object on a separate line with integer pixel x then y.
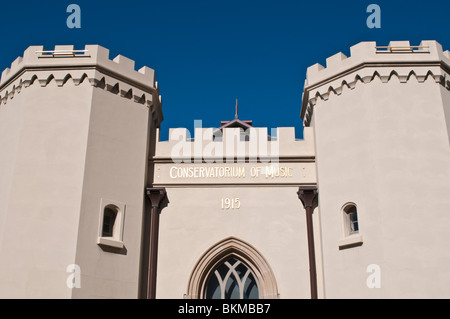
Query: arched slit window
{"type": "Point", "coordinates": [351, 227]}
{"type": "Point", "coordinates": [232, 269]}
{"type": "Point", "coordinates": [351, 219]}
{"type": "Point", "coordinates": [111, 222]}
{"type": "Point", "coordinates": [232, 279]}
{"type": "Point", "coordinates": [109, 219]}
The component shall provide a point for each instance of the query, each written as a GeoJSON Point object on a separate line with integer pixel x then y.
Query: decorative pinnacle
{"type": "Point", "coordinates": [236, 115]}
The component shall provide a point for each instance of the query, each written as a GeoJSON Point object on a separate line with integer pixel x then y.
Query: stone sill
{"type": "Point", "coordinates": [351, 241]}
{"type": "Point", "coordinates": [111, 242]}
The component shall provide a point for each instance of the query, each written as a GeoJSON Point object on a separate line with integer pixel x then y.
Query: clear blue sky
{"type": "Point", "coordinates": [208, 53]}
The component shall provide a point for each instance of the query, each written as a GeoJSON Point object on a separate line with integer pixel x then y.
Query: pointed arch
{"type": "Point", "coordinates": [62, 82]}
{"type": "Point", "coordinates": [139, 99]}
{"type": "Point", "coordinates": [29, 82]}
{"type": "Point", "coordinates": [127, 94]}
{"type": "Point", "coordinates": [318, 95]}
{"type": "Point", "coordinates": [358, 79]}
{"type": "Point", "coordinates": [5, 97]}
{"type": "Point", "coordinates": [113, 89]}
{"type": "Point", "coordinates": [436, 78]}
{"type": "Point", "coordinates": [412, 74]}
{"type": "Point", "coordinates": [376, 75]}
{"type": "Point", "coordinates": [394, 74]}
{"type": "Point", "coordinates": [19, 86]}
{"type": "Point", "coordinates": [345, 84]}
{"type": "Point", "coordinates": [45, 82]}
{"type": "Point", "coordinates": [331, 89]}
{"type": "Point", "coordinates": [219, 253]}
{"type": "Point", "coordinates": [13, 91]}
{"type": "Point", "coordinates": [80, 80]}
{"type": "Point", "coordinates": [101, 84]}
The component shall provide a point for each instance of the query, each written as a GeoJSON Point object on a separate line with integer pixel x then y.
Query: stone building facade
{"type": "Point", "coordinates": [94, 205]}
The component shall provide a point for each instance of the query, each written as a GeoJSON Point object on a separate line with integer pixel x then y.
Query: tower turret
{"type": "Point", "coordinates": [75, 136]}
{"type": "Point", "coordinates": [381, 120]}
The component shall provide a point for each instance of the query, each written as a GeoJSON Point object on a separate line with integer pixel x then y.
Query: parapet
{"type": "Point", "coordinates": [397, 52]}
{"type": "Point", "coordinates": [367, 62]}
{"type": "Point", "coordinates": [64, 56]}
{"type": "Point", "coordinates": [92, 64]}
{"type": "Point", "coordinates": [229, 146]}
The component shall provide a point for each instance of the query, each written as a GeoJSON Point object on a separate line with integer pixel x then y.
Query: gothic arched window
{"type": "Point", "coordinates": [232, 279]}
{"type": "Point", "coordinates": [232, 269]}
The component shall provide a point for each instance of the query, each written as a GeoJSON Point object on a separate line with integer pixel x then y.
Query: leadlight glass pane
{"type": "Point", "coordinates": [232, 279]}
{"type": "Point", "coordinates": [232, 288]}
{"type": "Point", "coordinates": [251, 289]}
{"type": "Point", "coordinates": [213, 288]}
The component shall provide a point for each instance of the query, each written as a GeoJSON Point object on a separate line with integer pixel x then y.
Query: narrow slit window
{"type": "Point", "coordinates": [109, 220]}
{"type": "Point", "coordinates": [352, 236]}
{"type": "Point", "coordinates": [351, 219]}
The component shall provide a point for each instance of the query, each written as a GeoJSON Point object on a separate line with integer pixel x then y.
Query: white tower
{"type": "Point", "coordinates": [381, 120]}
{"type": "Point", "coordinates": [75, 133]}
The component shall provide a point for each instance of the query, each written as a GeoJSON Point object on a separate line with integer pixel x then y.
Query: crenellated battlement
{"type": "Point", "coordinates": [229, 145]}
{"type": "Point", "coordinates": [368, 62]}
{"type": "Point", "coordinates": [66, 66]}
{"type": "Point", "coordinates": [369, 53]}
{"type": "Point", "coordinates": [64, 56]}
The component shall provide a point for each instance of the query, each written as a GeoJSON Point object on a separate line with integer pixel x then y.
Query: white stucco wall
{"type": "Point", "coordinates": [271, 219]}
{"type": "Point", "coordinates": [116, 165]}
{"type": "Point", "coordinates": [41, 211]}
{"type": "Point", "coordinates": [384, 146]}
{"type": "Point", "coordinates": [72, 138]}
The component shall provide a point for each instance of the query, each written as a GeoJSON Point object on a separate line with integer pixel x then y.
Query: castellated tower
{"type": "Point", "coordinates": [94, 205]}
{"type": "Point", "coordinates": [75, 131]}
{"type": "Point", "coordinates": [381, 120]}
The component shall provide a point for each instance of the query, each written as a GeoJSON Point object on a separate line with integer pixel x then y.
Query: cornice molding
{"type": "Point", "coordinates": [77, 76]}
{"type": "Point", "coordinates": [367, 73]}
{"type": "Point", "coordinates": [368, 62]}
